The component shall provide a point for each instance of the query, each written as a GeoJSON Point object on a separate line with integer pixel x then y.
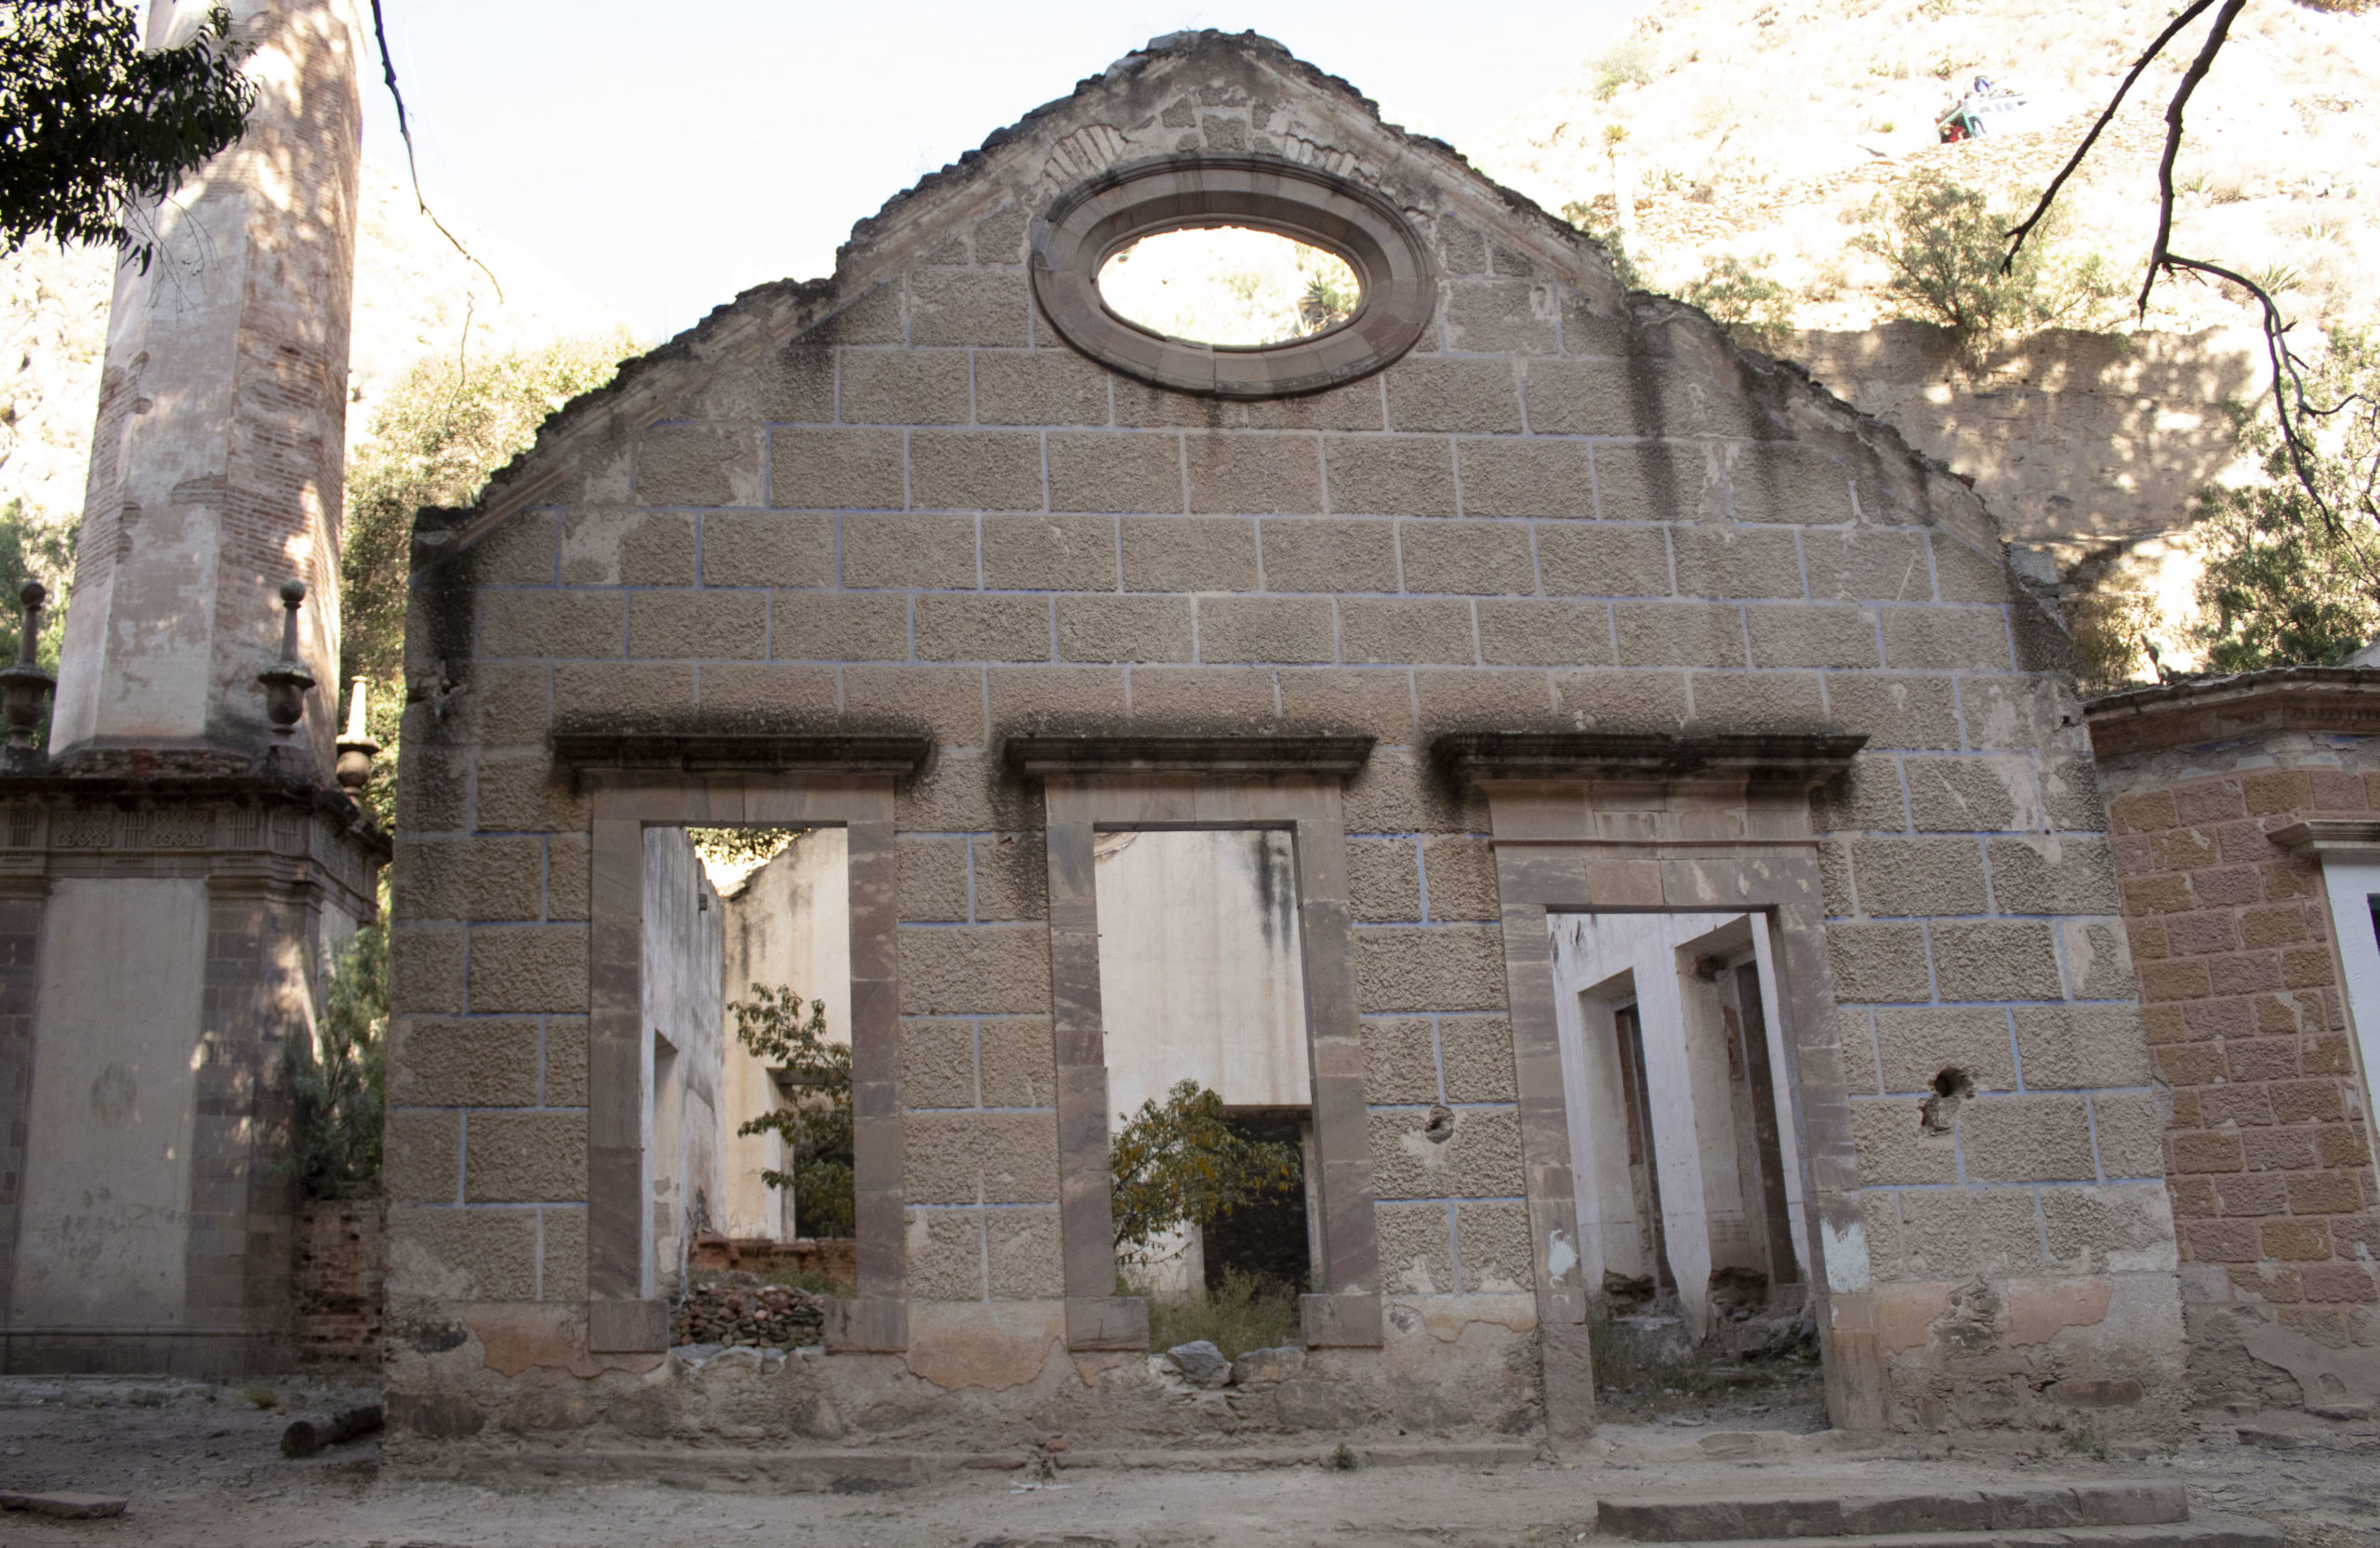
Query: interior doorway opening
{"type": "Point", "coordinates": [1686, 1171]}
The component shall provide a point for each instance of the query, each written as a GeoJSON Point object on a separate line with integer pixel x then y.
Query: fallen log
{"type": "Point", "coordinates": [71, 1507]}
{"type": "Point", "coordinates": [313, 1431]}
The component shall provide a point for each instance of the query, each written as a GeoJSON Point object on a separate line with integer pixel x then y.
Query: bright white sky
{"type": "Point", "coordinates": [663, 156]}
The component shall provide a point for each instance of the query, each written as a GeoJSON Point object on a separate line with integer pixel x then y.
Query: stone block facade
{"type": "Point", "coordinates": [2219, 797]}
{"type": "Point", "coordinates": [898, 504]}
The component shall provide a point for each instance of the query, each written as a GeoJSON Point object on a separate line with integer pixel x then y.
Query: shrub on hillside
{"type": "Point", "coordinates": [1943, 244]}
{"type": "Point", "coordinates": [1757, 309]}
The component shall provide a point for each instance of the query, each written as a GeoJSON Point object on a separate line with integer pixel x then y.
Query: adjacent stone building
{"type": "Point", "coordinates": [1515, 598]}
{"type": "Point", "coordinates": [2246, 818]}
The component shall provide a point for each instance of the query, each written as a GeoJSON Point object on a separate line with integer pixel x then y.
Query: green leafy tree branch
{"type": "Point", "coordinates": [816, 1126]}
{"type": "Point", "coordinates": [1181, 1164]}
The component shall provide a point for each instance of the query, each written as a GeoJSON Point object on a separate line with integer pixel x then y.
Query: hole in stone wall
{"type": "Point", "coordinates": [1229, 285]}
{"type": "Point", "coordinates": [1440, 1128]}
{"type": "Point", "coordinates": [1938, 1114]}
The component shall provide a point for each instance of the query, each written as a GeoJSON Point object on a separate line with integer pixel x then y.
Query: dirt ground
{"type": "Point", "coordinates": [202, 1466]}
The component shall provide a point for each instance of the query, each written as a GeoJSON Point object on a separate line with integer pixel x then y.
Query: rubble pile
{"type": "Point", "coordinates": [736, 1308]}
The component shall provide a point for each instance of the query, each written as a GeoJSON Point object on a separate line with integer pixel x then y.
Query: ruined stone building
{"type": "Point", "coordinates": [1607, 803]}
{"type": "Point", "coordinates": [1599, 731]}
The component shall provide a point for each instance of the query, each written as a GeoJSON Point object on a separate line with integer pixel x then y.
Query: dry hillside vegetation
{"type": "Point", "coordinates": [1766, 129]}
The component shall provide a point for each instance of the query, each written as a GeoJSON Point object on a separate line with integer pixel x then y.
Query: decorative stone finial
{"type": "Point", "coordinates": [25, 688]}
{"type": "Point", "coordinates": [355, 749]}
{"type": "Point", "coordinates": [285, 682]}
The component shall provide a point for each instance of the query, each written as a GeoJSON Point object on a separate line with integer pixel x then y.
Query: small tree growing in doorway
{"type": "Point", "coordinates": [818, 1126]}
{"type": "Point", "coordinates": [1182, 1164]}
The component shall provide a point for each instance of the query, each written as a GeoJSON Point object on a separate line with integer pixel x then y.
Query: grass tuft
{"type": "Point", "coordinates": [1244, 1312]}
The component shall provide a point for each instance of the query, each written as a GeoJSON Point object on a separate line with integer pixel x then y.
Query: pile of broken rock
{"type": "Point", "coordinates": [742, 1309]}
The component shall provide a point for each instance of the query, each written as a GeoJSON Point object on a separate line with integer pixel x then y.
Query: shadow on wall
{"type": "Point", "coordinates": [2069, 437]}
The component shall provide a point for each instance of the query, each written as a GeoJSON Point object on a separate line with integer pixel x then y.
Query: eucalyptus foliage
{"type": "Point", "coordinates": [816, 1127]}
{"type": "Point", "coordinates": [94, 131]}
{"type": "Point", "coordinates": [2285, 584]}
{"type": "Point", "coordinates": [1181, 1164]}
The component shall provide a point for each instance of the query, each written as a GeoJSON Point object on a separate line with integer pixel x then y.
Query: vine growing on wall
{"type": "Point", "coordinates": [337, 1087]}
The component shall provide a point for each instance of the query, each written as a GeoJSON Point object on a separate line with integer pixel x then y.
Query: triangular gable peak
{"type": "Point", "coordinates": [967, 230]}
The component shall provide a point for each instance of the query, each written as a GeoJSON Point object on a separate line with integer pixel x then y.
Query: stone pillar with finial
{"type": "Point", "coordinates": [356, 749]}
{"type": "Point", "coordinates": [179, 864]}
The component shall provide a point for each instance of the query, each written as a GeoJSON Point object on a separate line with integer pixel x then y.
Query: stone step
{"type": "Point", "coordinates": [1749, 1518]}
{"type": "Point", "coordinates": [2207, 1531]}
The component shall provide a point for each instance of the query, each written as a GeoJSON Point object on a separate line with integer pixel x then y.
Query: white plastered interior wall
{"type": "Point", "coordinates": [685, 930]}
{"type": "Point", "coordinates": [2351, 879]}
{"type": "Point", "coordinates": [1602, 961]}
{"type": "Point", "coordinates": [789, 924]}
{"type": "Point", "coordinates": [1200, 978]}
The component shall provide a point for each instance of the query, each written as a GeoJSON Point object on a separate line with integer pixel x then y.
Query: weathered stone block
{"type": "Point", "coordinates": [974, 970]}
{"type": "Point", "coordinates": [1879, 964]}
{"type": "Point", "coordinates": [563, 1275]}
{"type": "Point", "coordinates": [1016, 1062]}
{"type": "Point", "coordinates": [565, 1062]}
{"type": "Point", "coordinates": [934, 874]}
{"type": "Point", "coordinates": [1920, 877]}
{"type": "Point", "coordinates": [1895, 711]}
{"type": "Point", "coordinates": [699, 464]}
{"type": "Point", "coordinates": [1210, 698]}
{"type": "Point", "coordinates": [1558, 633]}
{"type": "Point", "coordinates": [935, 551]}
{"type": "Point", "coordinates": [1476, 1057]}
{"type": "Point", "coordinates": [1480, 1157]}
{"type": "Point", "coordinates": [1044, 387]}
{"type": "Point", "coordinates": [1469, 396]}
{"type": "Point", "coordinates": [1622, 700]}
{"type": "Point", "coordinates": [1383, 882]}
{"type": "Point", "coordinates": [426, 969]}
{"type": "Point", "coordinates": [524, 1158]}
{"type": "Point", "coordinates": [1436, 630]}
{"type": "Point", "coordinates": [1757, 703]}
{"type": "Point", "coordinates": [975, 470]}
{"type": "Point", "coordinates": [1400, 1059]}
{"type": "Point", "coordinates": [1472, 558]}
{"type": "Point", "coordinates": [1055, 698]}
{"type": "Point", "coordinates": [1439, 968]}
{"type": "Point", "coordinates": [836, 626]}
{"type": "Point", "coordinates": [963, 627]}
{"type": "Point", "coordinates": [1180, 553]}
{"type": "Point", "coordinates": [877, 316]}
{"type": "Point", "coordinates": [627, 547]}
{"type": "Point", "coordinates": [2119, 1229]}
{"type": "Point", "coordinates": [755, 549]}
{"type": "Point", "coordinates": [1778, 482]}
{"type": "Point", "coordinates": [496, 703]}
{"type": "Point", "coordinates": [464, 1254]}
{"type": "Point", "coordinates": [1399, 792]}
{"type": "Point", "coordinates": [1378, 700]}
{"type": "Point", "coordinates": [945, 702]}
{"type": "Point", "coordinates": [1961, 574]}
{"type": "Point", "coordinates": [1679, 634]}
{"type": "Point", "coordinates": [435, 1062]}
{"type": "Point", "coordinates": [1460, 873]}
{"type": "Point", "coordinates": [524, 551]}
{"type": "Point", "coordinates": [464, 878]}
{"type": "Point", "coordinates": [1050, 553]}
{"type": "Point", "coordinates": [1416, 1255]}
{"type": "Point", "coordinates": [1969, 795]}
{"type": "Point", "coordinates": [1867, 797]}
{"type": "Point", "coordinates": [552, 623]}
{"type": "Point", "coordinates": [991, 1157]}
{"type": "Point", "coordinates": [1938, 638]}
{"type": "Point", "coordinates": [2025, 1139]}
{"type": "Point", "coordinates": [904, 386]}
{"type": "Point", "coordinates": [1596, 560]}
{"type": "Point", "coordinates": [837, 470]}
{"type": "Point", "coordinates": [1115, 471]}
{"type": "Point", "coordinates": [1734, 561]}
{"type": "Point", "coordinates": [1503, 317]}
{"type": "Point", "coordinates": [1583, 397]}
{"type": "Point", "coordinates": [1494, 1244]}
{"type": "Point", "coordinates": [1996, 960]}
{"type": "Point", "coordinates": [963, 305]}
{"type": "Point", "coordinates": [1354, 407]}
{"type": "Point", "coordinates": [420, 1157]}
{"type": "Point", "coordinates": [1314, 554]}
{"type": "Point", "coordinates": [631, 691]}
{"type": "Point", "coordinates": [1811, 636]}
{"type": "Point", "coordinates": [706, 624]}
{"type": "Point", "coordinates": [1011, 876]}
{"type": "Point", "coordinates": [1026, 1255]}
{"type": "Point", "coordinates": [1916, 1044]}
{"type": "Point", "coordinates": [1266, 629]}
{"type": "Point", "coordinates": [945, 1254]}
{"type": "Point", "coordinates": [1124, 629]}
{"type": "Point", "coordinates": [2130, 1127]}
{"type": "Point", "coordinates": [1452, 700]}
{"type": "Point", "coordinates": [1893, 1151]}
{"type": "Point", "coordinates": [1234, 477]}
{"type": "Point", "coordinates": [519, 968]}
{"type": "Point", "coordinates": [1953, 1233]}
{"type": "Point", "coordinates": [1867, 565]}
{"type": "Point", "coordinates": [937, 1062]}
{"type": "Point", "coordinates": [1659, 481]}
{"type": "Point", "coordinates": [1390, 475]}
{"type": "Point", "coordinates": [1527, 477]}
{"type": "Point", "coordinates": [2053, 875]}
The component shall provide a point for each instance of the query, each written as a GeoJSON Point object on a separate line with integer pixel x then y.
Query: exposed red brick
{"type": "Point", "coordinates": [2337, 790]}
{"type": "Point", "coordinates": [2220, 1018]}
{"type": "Point", "coordinates": [2208, 801]}
{"type": "Point", "coordinates": [2208, 1151]}
{"type": "Point", "coordinates": [2193, 1197]}
{"type": "Point", "coordinates": [2184, 1112]}
{"type": "Point", "coordinates": [2325, 1192]}
{"type": "Point", "coordinates": [2309, 1102]}
{"type": "Point", "coordinates": [2274, 924]}
{"type": "Point", "coordinates": [2278, 1149]}
{"type": "Point", "coordinates": [2276, 790]}
{"type": "Point", "coordinates": [2327, 1056]}
{"type": "Point", "coordinates": [2290, 878]}
{"type": "Point", "coordinates": [2163, 893]}
{"type": "Point", "coordinates": [2199, 934]}
{"type": "Point", "coordinates": [2190, 1065]}
{"type": "Point", "coordinates": [2222, 1241]}
{"type": "Point", "coordinates": [2253, 1194]}
{"type": "Point", "coordinates": [2262, 1058]}
{"type": "Point", "coordinates": [2274, 1282]}
{"type": "Point", "coordinates": [2306, 967]}
{"type": "Point", "coordinates": [2303, 1241]}
{"type": "Point", "coordinates": [2134, 853]}
{"type": "Point", "coordinates": [2342, 1144]}
{"type": "Point", "coordinates": [2172, 980]}
{"type": "Point", "coordinates": [2187, 848]}
{"type": "Point", "coordinates": [2227, 886]}
{"type": "Point", "coordinates": [2142, 812]}
{"type": "Point", "coordinates": [2338, 1282]}
{"type": "Point", "coordinates": [2246, 843]}
{"type": "Point", "coordinates": [2245, 973]}
{"type": "Point", "coordinates": [2248, 1104]}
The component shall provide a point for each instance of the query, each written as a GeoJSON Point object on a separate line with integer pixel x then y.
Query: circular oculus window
{"type": "Point", "coordinates": [1395, 280]}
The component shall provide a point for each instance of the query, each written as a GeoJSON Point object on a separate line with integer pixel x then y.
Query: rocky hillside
{"type": "Point", "coordinates": [1766, 127]}
{"type": "Point", "coordinates": [415, 295]}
